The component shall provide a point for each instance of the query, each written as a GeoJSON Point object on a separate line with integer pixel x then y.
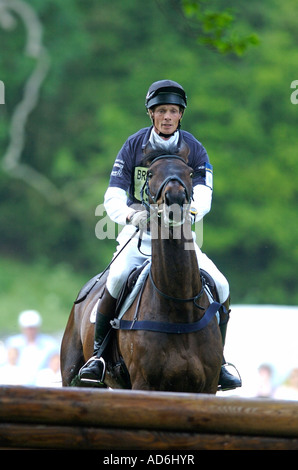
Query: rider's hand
{"type": "Point", "coordinates": [139, 219]}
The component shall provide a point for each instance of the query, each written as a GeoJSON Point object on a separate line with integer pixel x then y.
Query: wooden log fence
{"type": "Point", "coordinates": [97, 419]}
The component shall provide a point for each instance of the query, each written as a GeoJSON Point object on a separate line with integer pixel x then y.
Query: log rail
{"type": "Point", "coordinates": [97, 419]}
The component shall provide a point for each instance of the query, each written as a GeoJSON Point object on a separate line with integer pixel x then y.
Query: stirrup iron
{"type": "Point", "coordinates": [219, 388]}
{"type": "Point", "coordinates": [94, 381]}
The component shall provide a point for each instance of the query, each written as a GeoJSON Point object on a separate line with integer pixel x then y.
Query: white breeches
{"type": "Point", "coordinates": [131, 257]}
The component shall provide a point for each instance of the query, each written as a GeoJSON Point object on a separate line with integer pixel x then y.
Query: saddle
{"type": "Point", "coordinates": [129, 286]}
{"type": "Point", "coordinates": [87, 288]}
{"type": "Point", "coordinates": [100, 279]}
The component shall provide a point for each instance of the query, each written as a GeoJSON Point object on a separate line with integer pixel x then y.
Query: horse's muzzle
{"type": "Point", "coordinates": [175, 204]}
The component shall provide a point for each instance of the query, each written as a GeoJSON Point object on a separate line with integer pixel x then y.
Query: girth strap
{"type": "Point", "coordinates": [164, 327]}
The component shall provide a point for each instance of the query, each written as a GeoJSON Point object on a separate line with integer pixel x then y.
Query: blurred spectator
{"type": "Point", "coordinates": [265, 381]}
{"type": "Point", "coordinates": [10, 372]}
{"type": "Point", "coordinates": [289, 390]}
{"type": "Point", "coordinates": [50, 376]}
{"type": "Point", "coordinates": [34, 348]}
{"type": "Point", "coordinates": [2, 353]}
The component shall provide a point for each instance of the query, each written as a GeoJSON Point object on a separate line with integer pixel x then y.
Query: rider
{"type": "Point", "coordinates": [165, 102]}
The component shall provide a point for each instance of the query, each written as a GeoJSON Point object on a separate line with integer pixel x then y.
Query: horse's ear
{"type": "Point", "coordinates": [149, 155]}
{"type": "Point", "coordinates": [184, 151]}
{"type": "Point", "coordinates": [147, 149]}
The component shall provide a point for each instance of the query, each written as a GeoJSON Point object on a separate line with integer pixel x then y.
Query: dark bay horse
{"type": "Point", "coordinates": [169, 339]}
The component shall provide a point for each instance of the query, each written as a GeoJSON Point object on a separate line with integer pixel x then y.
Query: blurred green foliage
{"type": "Point", "coordinates": [103, 57]}
{"type": "Point", "coordinates": [215, 26]}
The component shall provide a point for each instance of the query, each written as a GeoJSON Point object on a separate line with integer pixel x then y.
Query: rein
{"type": "Point", "coordinates": [176, 299]}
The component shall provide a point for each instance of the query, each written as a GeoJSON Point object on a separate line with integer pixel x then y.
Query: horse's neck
{"type": "Point", "coordinates": [175, 267]}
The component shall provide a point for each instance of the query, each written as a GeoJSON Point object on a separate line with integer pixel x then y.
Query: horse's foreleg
{"type": "Point", "coordinates": [71, 355]}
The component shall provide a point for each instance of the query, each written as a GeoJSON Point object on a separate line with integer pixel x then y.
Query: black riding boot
{"type": "Point", "coordinates": [226, 381]}
{"type": "Point", "coordinates": [93, 370]}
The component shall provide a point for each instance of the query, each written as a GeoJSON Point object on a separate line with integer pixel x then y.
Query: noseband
{"type": "Point", "coordinates": [145, 189]}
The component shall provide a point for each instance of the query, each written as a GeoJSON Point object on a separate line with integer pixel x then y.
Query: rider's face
{"type": "Point", "coordinates": [166, 118]}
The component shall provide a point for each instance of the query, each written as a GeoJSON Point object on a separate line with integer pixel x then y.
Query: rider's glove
{"type": "Point", "coordinates": [139, 219]}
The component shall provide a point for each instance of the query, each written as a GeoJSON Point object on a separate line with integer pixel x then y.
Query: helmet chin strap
{"type": "Point", "coordinates": [166, 136]}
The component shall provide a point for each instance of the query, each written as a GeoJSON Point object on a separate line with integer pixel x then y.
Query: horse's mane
{"type": "Point", "coordinates": [151, 153]}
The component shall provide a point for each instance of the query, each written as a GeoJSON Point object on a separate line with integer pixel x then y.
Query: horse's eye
{"type": "Point", "coordinates": [149, 174]}
{"type": "Point", "coordinates": [191, 174]}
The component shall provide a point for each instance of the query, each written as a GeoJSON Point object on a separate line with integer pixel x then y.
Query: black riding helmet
{"type": "Point", "coordinates": [166, 92]}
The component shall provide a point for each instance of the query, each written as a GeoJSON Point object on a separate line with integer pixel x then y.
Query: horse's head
{"type": "Point", "coordinates": [169, 183]}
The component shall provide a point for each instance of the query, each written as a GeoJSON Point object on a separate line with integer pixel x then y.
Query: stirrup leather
{"type": "Point", "coordinates": [94, 381]}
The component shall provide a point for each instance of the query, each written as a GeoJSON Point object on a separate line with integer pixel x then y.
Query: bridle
{"type": "Point", "coordinates": [145, 190]}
